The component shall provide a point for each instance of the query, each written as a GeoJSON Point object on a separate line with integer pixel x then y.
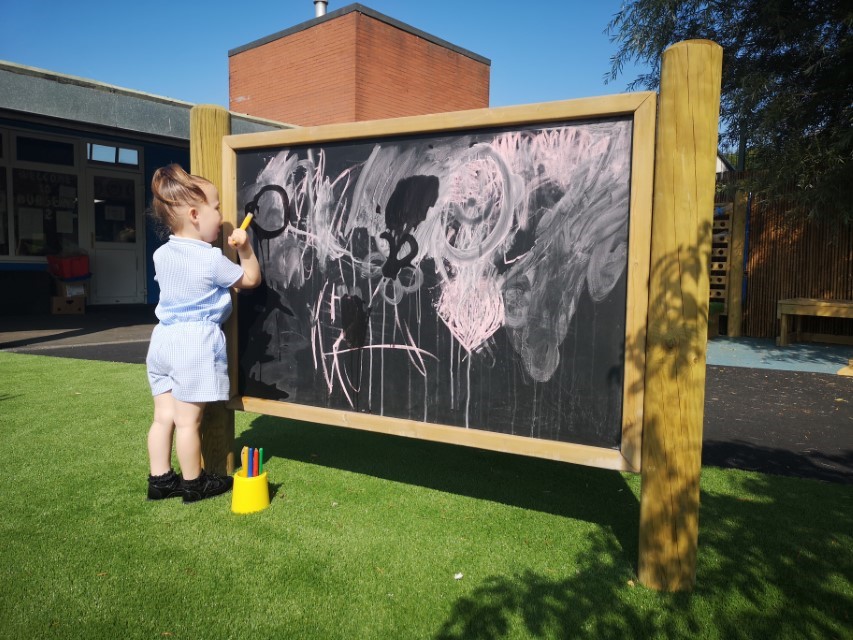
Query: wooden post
{"type": "Point", "coordinates": [208, 125]}
{"type": "Point", "coordinates": [685, 158]}
{"type": "Point", "coordinates": [734, 305]}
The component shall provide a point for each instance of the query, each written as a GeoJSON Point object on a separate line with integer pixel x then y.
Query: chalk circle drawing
{"type": "Point", "coordinates": [398, 262]}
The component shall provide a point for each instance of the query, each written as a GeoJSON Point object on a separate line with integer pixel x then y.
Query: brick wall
{"type": "Point", "coordinates": [306, 78]}
{"type": "Point", "coordinates": [350, 68]}
{"type": "Point", "coordinates": [400, 74]}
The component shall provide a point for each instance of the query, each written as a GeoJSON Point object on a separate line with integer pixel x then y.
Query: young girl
{"type": "Point", "coordinates": [187, 365]}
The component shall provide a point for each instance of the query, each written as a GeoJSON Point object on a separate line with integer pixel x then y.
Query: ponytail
{"type": "Point", "coordinates": [174, 188]}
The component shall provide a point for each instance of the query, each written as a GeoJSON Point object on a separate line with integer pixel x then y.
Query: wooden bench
{"type": "Point", "coordinates": [799, 307]}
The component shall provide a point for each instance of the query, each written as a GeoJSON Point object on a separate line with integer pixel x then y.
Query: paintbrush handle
{"type": "Point", "coordinates": [246, 221]}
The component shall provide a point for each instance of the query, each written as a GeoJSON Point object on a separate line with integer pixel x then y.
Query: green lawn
{"type": "Point", "coordinates": [366, 533]}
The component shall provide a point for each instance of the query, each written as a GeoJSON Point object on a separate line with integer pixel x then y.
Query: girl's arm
{"type": "Point", "coordinates": [251, 269]}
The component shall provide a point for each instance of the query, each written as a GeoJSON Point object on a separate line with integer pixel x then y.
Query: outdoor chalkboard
{"type": "Point", "coordinates": [464, 273]}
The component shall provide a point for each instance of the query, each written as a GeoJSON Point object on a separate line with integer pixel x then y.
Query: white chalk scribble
{"type": "Point", "coordinates": [488, 232]}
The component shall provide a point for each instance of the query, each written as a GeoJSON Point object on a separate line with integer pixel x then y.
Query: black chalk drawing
{"type": "Point", "coordinates": [406, 209]}
{"type": "Point", "coordinates": [476, 280]}
{"type": "Point", "coordinates": [270, 219]}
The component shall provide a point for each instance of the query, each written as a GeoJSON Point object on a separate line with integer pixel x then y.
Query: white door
{"type": "Point", "coordinates": [116, 254]}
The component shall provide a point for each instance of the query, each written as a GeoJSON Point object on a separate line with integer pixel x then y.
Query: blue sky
{"type": "Point", "coordinates": [540, 51]}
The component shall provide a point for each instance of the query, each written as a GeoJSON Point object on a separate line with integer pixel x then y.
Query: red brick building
{"type": "Point", "coordinates": [350, 65]}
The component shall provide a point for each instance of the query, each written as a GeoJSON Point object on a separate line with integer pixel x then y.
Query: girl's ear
{"type": "Point", "coordinates": [192, 213]}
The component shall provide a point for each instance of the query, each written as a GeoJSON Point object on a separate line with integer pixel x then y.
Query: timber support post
{"type": "Point", "coordinates": [208, 125]}
{"type": "Point", "coordinates": [684, 184]}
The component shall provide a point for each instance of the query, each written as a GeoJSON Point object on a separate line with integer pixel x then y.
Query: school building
{"type": "Point", "coordinates": [77, 155]}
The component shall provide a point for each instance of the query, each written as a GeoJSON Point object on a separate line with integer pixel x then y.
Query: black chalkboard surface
{"type": "Point", "coordinates": [476, 279]}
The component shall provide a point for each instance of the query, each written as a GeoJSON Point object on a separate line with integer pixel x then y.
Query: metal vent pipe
{"type": "Point", "coordinates": [320, 8]}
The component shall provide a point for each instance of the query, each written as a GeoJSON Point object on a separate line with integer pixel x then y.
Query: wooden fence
{"type": "Point", "coordinates": [789, 257]}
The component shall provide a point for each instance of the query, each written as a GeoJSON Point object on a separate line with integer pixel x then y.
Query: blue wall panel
{"type": "Point", "coordinates": [157, 156]}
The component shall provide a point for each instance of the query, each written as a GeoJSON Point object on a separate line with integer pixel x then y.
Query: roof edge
{"type": "Point", "coordinates": [63, 78]}
{"type": "Point", "coordinates": [85, 83]}
{"type": "Point", "coordinates": [360, 8]}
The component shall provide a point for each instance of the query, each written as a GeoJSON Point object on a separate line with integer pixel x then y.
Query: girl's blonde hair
{"type": "Point", "coordinates": [174, 188]}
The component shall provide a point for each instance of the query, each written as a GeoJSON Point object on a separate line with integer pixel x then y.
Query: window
{"type": "Point", "coordinates": [102, 153]}
{"type": "Point", "coordinates": [115, 209]}
{"type": "Point", "coordinates": [45, 212]}
{"type": "Point", "coordinates": [45, 151]}
{"type": "Point", "coordinates": [109, 154]}
{"type": "Point", "coordinates": [128, 156]}
{"type": "Point", "coordinates": [42, 177]}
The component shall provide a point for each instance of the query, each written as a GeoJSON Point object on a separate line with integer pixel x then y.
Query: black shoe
{"type": "Point", "coordinates": [207, 485]}
{"type": "Point", "coordinates": [166, 486]}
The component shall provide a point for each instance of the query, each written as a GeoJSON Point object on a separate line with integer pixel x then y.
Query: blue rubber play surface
{"type": "Point", "coordinates": [763, 353]}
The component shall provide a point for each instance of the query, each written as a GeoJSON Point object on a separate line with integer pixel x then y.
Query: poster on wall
{"type": "Point", "coordinates": [45, 212]}
{"type": "Point", "coordinates": [475, 279]}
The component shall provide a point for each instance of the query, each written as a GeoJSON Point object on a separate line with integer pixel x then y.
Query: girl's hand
{"type": "Point", "coordinates": [238, 238]}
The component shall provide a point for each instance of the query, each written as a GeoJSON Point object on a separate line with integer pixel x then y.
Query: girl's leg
{"type": "Point", "coordinates": [160, 434]}
{"type": "Point", "coordinates": [188, 437]}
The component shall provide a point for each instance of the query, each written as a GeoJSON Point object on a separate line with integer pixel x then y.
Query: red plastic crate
{"type": "Point", "coordinates": [68, 266]}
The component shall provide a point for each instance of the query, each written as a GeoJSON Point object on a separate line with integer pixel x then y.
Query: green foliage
{"type": "Point", "coordinates": [367, 533]}
{"type": "Point", "coordinates": [787, 86]}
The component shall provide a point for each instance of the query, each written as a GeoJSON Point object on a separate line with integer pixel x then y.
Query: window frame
{"type": "Point", "coordinates": [5, 163]}
{"type": "Point", "coordinates": [80, 168]}
{"type": "Point", "coordinates": [11, 162]}
{"type": "Point", "coordinates": [118, 147]}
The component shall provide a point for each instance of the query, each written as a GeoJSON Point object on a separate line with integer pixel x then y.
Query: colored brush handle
{"type": "Point", "coordinates": [255, 464]}
{"type": "Point", "coordinates": [246, 221]}
{"type": "Point", "coordinates": [244, 459]}
{"type": "Point", "coordinates": [260, 460]}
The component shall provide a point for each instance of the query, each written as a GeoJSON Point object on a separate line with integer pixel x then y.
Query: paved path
{"type": "Point", "coordinates": [776, 410]}
{"type": "Point", "coordinates": [794, 423]}
{"type": "Point", "coordinates": [114, 334]}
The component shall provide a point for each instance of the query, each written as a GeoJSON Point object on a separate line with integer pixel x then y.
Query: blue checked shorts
{"type": "Point", "coordinates": [190, 360]}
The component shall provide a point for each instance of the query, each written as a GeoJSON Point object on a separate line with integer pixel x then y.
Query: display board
{"type": "Point", "coordinates": [477, 278]}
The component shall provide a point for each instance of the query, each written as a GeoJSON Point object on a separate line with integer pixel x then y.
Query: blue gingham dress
{"type": "Point", "coordinates": [187, 354]}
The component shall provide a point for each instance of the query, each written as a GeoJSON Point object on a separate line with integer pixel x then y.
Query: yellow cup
{"type": "Point", "coordinates": [250, 495]}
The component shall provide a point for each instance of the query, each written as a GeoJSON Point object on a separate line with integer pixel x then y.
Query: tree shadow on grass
{"type": "Point", "coordinates": [774, 553]}
{"type": "Point", "coordinates": [774, 562]}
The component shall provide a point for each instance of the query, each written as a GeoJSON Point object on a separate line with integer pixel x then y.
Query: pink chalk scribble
{"type": "Point", "coordinates": [471, 306]}
{"type": "Point", "coordinates": [519, 229]}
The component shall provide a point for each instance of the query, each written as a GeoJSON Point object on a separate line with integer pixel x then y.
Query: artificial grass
{"type": "Point", "coordinates": [366, 533]}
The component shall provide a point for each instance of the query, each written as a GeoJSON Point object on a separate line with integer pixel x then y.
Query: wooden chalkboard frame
{"type": "Point", "coordinates": [641, 107]}
{"type": "Point", "coordinates": [669, 348]}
